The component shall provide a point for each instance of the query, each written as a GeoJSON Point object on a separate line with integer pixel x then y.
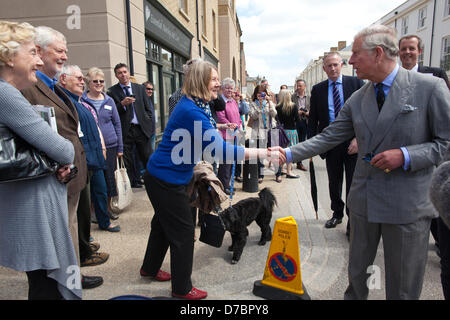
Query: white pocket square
{"type": "Point", "coordinates": [408, 108]}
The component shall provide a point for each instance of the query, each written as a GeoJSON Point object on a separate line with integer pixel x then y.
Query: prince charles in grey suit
{"type": "Point", "coordinates": [401, 121]}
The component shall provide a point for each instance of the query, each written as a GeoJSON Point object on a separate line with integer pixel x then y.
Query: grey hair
{"type": "Point", "coordinates": [68, 70]}
{"type": "Point", "coordinates": [380, 35]}
{"type": "Point", "coordinates": [330, 54]}
{"type": "Point", "coordinates": [45, 36]}
{"type": "Point", "coordinates": [228, 82]}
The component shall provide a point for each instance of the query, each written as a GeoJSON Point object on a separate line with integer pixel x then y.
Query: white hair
{"type": "Point", "coordinates": [45, 36]}
{"type": "Point", "coordinates": [68, 70]}
{"type": "Point", "coordinates": [380, 35]}
{"type": "Point", "coordinates": [228, 82]}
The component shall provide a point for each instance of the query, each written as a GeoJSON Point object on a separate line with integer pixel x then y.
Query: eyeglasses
{"type": "Point", "coordinates": [149, 89]}
{"type": "Point", "coordinates": [79, 78]}
{"type": "Point", "coordinates": [98, 81]}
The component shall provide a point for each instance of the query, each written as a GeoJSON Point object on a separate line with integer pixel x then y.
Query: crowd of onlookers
{"type": "Point", "coordinates": [45, 222]}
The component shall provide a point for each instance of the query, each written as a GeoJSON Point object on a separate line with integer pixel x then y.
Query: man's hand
{"type": "Point", "coordinates": [127, 101]}
{"type": "Point", "coordinates": [353, 147]}
{"type": "Point", "coordinates": [388, 160]}
{"type": "Point", "coordinates": [276, 154]}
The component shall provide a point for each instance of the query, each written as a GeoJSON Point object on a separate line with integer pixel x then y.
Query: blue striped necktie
{"type": "Point", "coordinates": [337, 100]}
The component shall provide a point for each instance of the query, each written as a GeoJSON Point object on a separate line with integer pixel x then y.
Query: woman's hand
{"type": "Point", "coordinates": [62, 173]}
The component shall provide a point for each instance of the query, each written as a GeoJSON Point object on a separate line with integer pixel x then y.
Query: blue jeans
{"type": "Point", "coordinates": [99, 198]}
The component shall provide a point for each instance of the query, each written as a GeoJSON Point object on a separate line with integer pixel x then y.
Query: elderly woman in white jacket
{"type": "Point", "coordinates": [262, 118]}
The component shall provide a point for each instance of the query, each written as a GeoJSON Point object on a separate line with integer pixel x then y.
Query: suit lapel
{"type": "Point", "coordinates": [396, 100]}
{"type": "Point", "coordinates": [54, 97]}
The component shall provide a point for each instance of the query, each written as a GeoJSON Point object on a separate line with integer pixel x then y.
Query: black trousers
{"type": "Point", "coordinates": [41, 287]}
{"type": "Point", "coordinates": [338, 161]}
{"type": "Point", "coordinates": [172, 226]}
{"type": "Point", "coordinates": [444, 248]}
{"type": "Point", "coordinates": [84, 221]}
{"type": "Point", "coordinates": [135, 138]}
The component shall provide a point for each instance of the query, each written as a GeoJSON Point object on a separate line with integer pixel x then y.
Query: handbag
{"type": "Point", "coordinates": [283, 139]}
{"type": "Point", "coordinates": [123, 187]}
{"type": "Point", "coordinates": [212, 230]}
{"type": "Point", "coordinates": [20, 161]}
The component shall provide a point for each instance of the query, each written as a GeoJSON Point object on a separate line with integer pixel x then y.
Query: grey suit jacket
{"type": "Point", "coordinates": [416, 115]}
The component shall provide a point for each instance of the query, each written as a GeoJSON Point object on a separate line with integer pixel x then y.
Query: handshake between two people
{"type": "Point", "coordinates": [277, 155]}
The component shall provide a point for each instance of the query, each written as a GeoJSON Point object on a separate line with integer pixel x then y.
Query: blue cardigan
{"type": "Point", "coordinates": [188, 138]}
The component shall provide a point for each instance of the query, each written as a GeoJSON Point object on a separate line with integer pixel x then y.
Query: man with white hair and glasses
{"type": "Point", "coordinates": [401, 120]}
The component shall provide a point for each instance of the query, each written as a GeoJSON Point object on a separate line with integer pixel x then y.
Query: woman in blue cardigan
{"type": "Point", "coordinates": [191, 135]}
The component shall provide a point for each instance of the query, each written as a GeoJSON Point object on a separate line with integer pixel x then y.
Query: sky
{"type": "Point", "coordinates": [282, 36]}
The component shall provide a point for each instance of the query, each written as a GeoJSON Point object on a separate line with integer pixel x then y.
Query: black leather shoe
{"type": "Point", "coordinates": [91, 282]}
{"type": "Point", "coordinates": [332, 223]}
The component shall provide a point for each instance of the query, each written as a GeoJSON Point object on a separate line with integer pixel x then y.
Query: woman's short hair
{"type": "Point", "coordinates": [228, 82]}
{"type": "Point", "coordinates": [197, 79]}
{"type": "Point", "coordinates": [12, 36]}
{"type": "Point", "coordinates": [93, 72]}
{"type": "Point", "coordinates": [380, 35]}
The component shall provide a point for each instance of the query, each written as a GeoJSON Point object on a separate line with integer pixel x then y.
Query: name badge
{"type": "Point", "coordinates": [80, 133]}
{"type": "Point", "coordinates": [108, 107]}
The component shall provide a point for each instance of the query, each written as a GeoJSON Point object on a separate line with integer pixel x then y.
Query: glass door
{"type": "Point", "coordinates": [167, 92]}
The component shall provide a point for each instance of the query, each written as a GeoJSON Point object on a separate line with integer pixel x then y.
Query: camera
{"type": "Point", "coordinates": [132, 96]}
{"type": "Point", "coordinates": [263, 95]}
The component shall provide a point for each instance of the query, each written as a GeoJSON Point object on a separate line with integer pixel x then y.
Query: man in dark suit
{"type": "Point", "coordinates": [411, 48]}
{"type": "Point", "coordinates": [135, 117]}
{"type": "Point", "coordinates": [327, 99]}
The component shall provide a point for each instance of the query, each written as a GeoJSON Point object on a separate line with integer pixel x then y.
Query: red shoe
{"type": "Point", "coordinates": [194, 294]}
{"type": "Point", "coordinates": [160, 276]}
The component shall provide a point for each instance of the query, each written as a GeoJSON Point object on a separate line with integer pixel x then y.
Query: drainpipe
{"type": "Point", "coordinates": [432, 32]}
{"type": "Point", "coordinates": [130, 40]}
{"type": "Point", "coordinates": [198, 32]}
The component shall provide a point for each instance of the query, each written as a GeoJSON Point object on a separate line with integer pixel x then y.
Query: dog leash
{"type": "Point", "coordinates": [232, 172]}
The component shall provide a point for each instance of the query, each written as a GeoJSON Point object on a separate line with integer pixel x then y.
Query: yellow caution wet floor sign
{"type": "Point", "coordinates": [283, 264]}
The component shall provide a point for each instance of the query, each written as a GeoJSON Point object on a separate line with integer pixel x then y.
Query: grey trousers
{"type": "Point", "coordinates": [405, 257]}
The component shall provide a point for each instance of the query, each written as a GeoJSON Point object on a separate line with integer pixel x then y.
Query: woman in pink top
{"type": "Point", "coordinates": [229, 115]}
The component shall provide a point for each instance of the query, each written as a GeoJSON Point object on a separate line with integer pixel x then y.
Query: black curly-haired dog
{"type": "Point", "coordinates": [239, 216]}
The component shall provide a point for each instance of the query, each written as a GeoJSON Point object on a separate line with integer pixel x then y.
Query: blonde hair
{"type": "Point", "coordinates": [12, 36]}
{"type": "Point", "coordinates": [197, 80]}
{"type": "Point", "coordinates": [92, 72]}
{"type": "Point", "coordinates": [286, 103]}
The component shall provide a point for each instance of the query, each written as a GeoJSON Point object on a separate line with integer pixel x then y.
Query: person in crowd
{"type": "Point", "coordinates": [111, 129]}
{"type": "Point", "coordinates": [327, 99]}
{"type": "Point", "coordinates": [402, 134]}
{"type": "Point", "coordinates": [149, 88]}
{"type": "Point", "coordinates": [229, 115]}
{"type": "Point", "coordinates": [302, 102]}
{"type": "Point", "coordinates": [52, 49]}
{"type": "Point", "coordinates": [266, 86]}
{"type": "Point", "coordinates": [33, 213]}
{"type": "Point", "coordinates": [439, 196]}
{"type": "Point", "coordinates": [135, 117]}
{"type": "Point", "coordinates": [282, 87]}
{"type": "Point", "coordinates": [411, 48]}
{"type": "Point", "coordinates": [288, 116]}
{"type": "Point", "coordinates": [168, 175]}
{"type": "Point", "coordinates": [72, 81]}
{"type": "Point", "coordinates": [262, 118]}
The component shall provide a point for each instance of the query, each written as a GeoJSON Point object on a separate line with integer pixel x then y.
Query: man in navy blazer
{"type": "Point", "coordinates": [324, 109]}
{"type": "Point", "coordinates": [135, 117]}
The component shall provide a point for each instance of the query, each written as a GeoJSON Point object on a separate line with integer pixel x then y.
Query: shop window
{"type": "Point", "coordinates": [166, 60]}
{"type": "Point", "coordinates": [445, 58]}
